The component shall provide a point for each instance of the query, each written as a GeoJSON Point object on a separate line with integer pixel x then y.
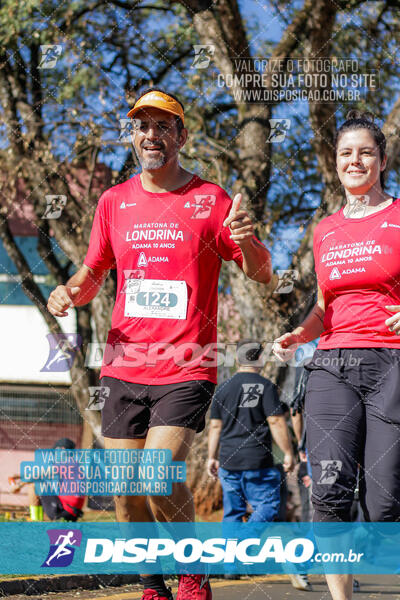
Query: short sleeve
{"type": "Point", "coordinates": [216, 406]}
{"type": "Point", "coordinates": [272, 405]}
{"type": "Point", "coordinates": [316, 244]}
{"type": "Point", "coordinates": [100, 253]}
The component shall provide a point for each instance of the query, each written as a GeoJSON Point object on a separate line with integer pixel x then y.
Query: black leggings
{"type": "Point", "coordinates": [352, 412]}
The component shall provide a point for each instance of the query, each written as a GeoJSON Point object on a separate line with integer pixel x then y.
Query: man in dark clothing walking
{"type": "Point", "coordinates": [245, 412]}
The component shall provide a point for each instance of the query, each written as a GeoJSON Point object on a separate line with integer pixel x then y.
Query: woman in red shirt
{"type": "Point", "coordinates": [352, 405]}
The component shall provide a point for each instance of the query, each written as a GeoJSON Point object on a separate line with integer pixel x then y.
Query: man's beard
{"type": "Point", "coordinates": [151, 164]}
{"type": "Point", "coordinates": [148, 163]}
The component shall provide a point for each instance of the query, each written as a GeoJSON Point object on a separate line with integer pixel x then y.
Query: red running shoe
{"type": "Point", "coordinates": [194, 587]}
{"type": "Point", "coordinates": [150, 594]}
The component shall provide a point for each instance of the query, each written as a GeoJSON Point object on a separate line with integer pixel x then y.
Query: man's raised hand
{"type": "Point", "coordinates": [239, 223]}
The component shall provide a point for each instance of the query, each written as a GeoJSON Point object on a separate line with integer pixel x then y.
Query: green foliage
{"type": "Point", "coordinates": [110, 53]}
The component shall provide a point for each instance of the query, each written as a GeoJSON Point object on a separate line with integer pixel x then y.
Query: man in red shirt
{"type": "Point", "coordinates": [166, 231]}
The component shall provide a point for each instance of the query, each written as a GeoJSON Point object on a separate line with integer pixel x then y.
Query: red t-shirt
{"type": "Point", "coordinates": [358, 270]}
{"type": "Point", "coordinates": [167, 249]}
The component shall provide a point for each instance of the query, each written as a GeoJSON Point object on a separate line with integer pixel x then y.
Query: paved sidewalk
{"type": "Point", "coordinates": [270, 587]}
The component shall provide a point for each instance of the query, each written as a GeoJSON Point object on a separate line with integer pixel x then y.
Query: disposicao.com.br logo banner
{"type": "Point", "coordinates": [214, 548]}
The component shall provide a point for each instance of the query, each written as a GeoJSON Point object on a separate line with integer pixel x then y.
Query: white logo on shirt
{"type": "Point", "coordinates": [353, 271]}
{"type": "Point", "coordinates": [252, 393]}
{"type": "Point", "coordinates": [335, 274]}
{"type": "Point", "coordinates": [202, 205]}
{"type": "Point", "coordinates": [386, 224]}
{"type": "Point", "coordinates": [327, 234]}
{"type": "Point", "coordinates": [124, 205]}
{"type": "Point", "coordinates": [142, 260]}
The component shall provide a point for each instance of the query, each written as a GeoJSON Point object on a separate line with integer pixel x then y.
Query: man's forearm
{"type": "Point", "coordinates": [89, 281]}
{"type": "Point", "coordinates": [280, 434]}
{"type": "Point", "coordinates": [256, 261]}
{"type": "Point", "coordinates": [297, 422]}
{"type": "Point", "coordinates": [213, 442]}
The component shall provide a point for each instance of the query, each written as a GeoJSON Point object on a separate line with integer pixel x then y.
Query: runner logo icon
{"type": "Point", "coordinates": [203, 54]}
{"type": "Point", "coordinates": [252, 393]}
{"type": "Point", "coordinates": [130, 275]}
{"type": "Point", "coordinates": [50, 53]}
{"type": "Point", "coordinates": [62, 351]}
{"type": "Point", "coordinates": [125, 130]}
{"type": "Point", "coordinates": [287, 278]}
{"type": "Point", "coordinates": [98, 396]}
{"type": "Point", "coordinates": [278, 130]}
{"type": "Point", "coordinates": [55, 206]}
{"type": "Point", "coordinates": [62, 547]}
{"type": "Point", "coordinates": [202, 205]}
{"type": "Point", "coordinates": [330, 470]}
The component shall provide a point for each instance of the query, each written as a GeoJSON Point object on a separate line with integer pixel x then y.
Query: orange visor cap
{"type": "Point", "coordinates": [158, 100]}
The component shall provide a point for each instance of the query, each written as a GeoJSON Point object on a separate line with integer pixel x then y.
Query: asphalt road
{"type": "Point", "coordinates": [377, 587]}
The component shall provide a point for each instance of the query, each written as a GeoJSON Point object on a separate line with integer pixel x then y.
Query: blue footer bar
{"type": "Point", "coordinates": [213, 548]}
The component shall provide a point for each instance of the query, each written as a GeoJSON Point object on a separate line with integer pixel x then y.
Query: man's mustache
{"type": "Point", "coordinates": [158, 145]}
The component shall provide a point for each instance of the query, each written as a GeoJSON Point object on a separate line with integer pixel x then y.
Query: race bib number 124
{"type": "Point", "coordinates": [156, 299]}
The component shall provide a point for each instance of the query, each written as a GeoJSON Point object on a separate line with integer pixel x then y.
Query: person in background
{"type": "Point", "coordinates": [245, 413]}
{"type": "Point", "coordinates": [56, 508]}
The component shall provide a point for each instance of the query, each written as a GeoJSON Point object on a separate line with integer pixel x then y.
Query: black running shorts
{"type": "Point", "coordinates": [132, 408]}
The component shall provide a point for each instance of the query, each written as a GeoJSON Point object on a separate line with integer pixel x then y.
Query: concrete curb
{"type": "Point", "coordinates": [31, 586]}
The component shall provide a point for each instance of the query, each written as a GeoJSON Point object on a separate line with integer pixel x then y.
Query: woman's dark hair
{"type": "Point", "coordinates": [356, 119]}
{"type": "Point", "coordinates": [179, 123]}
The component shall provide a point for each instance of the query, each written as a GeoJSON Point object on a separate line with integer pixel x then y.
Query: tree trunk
{"type": "Point", "coordinates": [266, 314]}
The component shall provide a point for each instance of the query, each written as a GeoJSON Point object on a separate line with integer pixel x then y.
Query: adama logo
{"type": "Point", "coordinates": [386, 224]}
{"type": "Point", "coordinates": [142, 260]}
{"type": "Point", "coordinates": [335, 274]}
{"type": "Point", "coordinates": [353, 271]}
{"type": "Point", "coordinates": [125, 205]}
